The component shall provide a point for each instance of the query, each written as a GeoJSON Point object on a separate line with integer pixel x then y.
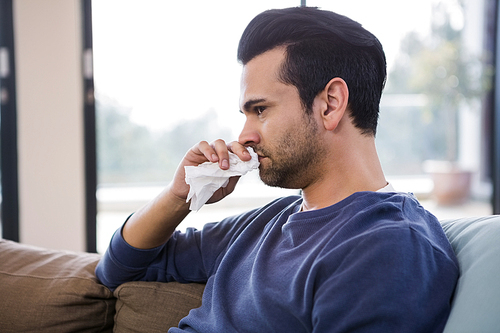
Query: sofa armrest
{"type": "Point", "coordinates": [51, 291]}
{"type": "Point", "coordinates": [154, 306]}
{"type": "Point", "coordinates": [476, 303]}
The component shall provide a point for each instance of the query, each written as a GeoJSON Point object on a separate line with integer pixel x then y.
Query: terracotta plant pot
{"type": "Point", "coordinates": [451, 183]}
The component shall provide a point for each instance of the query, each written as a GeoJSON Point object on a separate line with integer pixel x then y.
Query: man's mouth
{"type": "Point", "coordinates": [260, 156]}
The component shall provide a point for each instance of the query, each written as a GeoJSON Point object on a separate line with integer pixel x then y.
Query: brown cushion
{"type": "Point", "coordinates": [154, 306]}
{"type": "Point", "coordinates": [51, 291]}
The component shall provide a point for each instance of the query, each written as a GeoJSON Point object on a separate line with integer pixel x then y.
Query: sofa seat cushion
{"type": "Point", "coordinates": [154, 306]}
{"type": "Point", "coordinates": [51, 291]}
{"type": "Point", "coordinates": [476, 303]}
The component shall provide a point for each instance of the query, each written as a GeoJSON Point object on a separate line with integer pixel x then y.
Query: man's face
{"type": "Point", "coordinates": [286, 139]}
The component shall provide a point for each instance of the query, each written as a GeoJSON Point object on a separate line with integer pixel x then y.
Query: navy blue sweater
{"type": "Point", "coordinates": [374, 262]}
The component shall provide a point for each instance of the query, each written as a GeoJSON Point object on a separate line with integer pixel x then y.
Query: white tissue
{"type": "Point", "coordinates": [208, 177]}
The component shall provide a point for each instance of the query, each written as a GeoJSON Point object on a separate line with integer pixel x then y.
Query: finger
{"type": "Point", "coordinates": [222, 152]}
{"type": "Point", "coordinates": [240, 150]}
{"type": "Point", "coordinates": [206, 150]}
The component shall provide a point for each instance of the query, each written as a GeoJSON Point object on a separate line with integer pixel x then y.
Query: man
{"type": "Point", "coordinates": [349, 254]}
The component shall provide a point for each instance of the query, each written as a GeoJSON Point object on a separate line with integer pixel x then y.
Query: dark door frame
{"type": "Point", "coordinates": [8, 127]}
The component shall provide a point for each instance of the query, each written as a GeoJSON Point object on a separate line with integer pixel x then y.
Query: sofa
{"type": "Point", "coordinates": [45, 290]}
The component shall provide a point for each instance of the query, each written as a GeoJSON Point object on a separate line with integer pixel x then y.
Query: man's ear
{"type": "Point", "coordinates": [334, 99]}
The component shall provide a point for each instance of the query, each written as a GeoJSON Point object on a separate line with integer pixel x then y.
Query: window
{"type": "Point", "coordinates": [431, 111]}
{"type": "Point", "coordinates": [166, 76]}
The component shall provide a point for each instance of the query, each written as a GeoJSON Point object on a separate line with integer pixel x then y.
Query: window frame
{"type": "Point", "coordinates": [8, 127]}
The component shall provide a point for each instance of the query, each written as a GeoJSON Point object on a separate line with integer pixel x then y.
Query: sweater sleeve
{"type": "Point", "coordinates": [384, 283]}
{"type": "Point", "coordinates": [189, 256]}
{"type": "Point", "coordinates": [122, 263]}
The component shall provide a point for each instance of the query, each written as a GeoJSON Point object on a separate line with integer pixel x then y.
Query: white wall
{"type": "Point", "coordinates": [50, 123]}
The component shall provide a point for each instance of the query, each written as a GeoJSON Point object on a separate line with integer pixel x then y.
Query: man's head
{"type": "Point", "coordinates": [321, 45]}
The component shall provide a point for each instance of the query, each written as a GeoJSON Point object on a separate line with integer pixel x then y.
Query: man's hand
{"type": "Point", "coordinates": [154, 223]}
{"type": "Point", "coordinates": [216, 152]}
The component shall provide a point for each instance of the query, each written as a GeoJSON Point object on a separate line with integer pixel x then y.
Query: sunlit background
{"type": "Point", "coordinates": [166, 77]}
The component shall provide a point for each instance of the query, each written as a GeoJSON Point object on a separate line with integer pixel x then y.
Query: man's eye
{"type": "Point", "coordinates": [260, 109]}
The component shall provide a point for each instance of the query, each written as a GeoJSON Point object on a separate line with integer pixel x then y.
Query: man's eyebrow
{"type": "Point", "coordinates": [248, 105]}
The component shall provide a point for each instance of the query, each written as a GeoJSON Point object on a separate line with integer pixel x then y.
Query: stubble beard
{"type": "Point", "coordinates": [293, 161]}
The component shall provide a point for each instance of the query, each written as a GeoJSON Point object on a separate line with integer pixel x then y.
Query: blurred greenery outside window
{"type": "Point", "coordinates": [167, 77]}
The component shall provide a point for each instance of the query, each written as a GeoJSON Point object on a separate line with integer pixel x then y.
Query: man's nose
{"type": "Point", "coordinates": [249, 135]}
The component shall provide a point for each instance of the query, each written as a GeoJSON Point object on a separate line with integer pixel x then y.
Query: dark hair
{"type": "Point", "coordinates": [321, 45]}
